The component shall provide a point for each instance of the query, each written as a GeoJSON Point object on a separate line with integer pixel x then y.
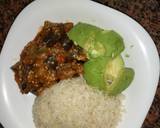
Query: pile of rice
{"type": "Point", "coordinates": [73, 104]}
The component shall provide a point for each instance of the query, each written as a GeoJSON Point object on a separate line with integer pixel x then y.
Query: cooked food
{"type": "Point", "coordinates": [49, 58]}
{"type": "Point", "coordinates": [72, 103]}
{"type": "Point", "coordinates": [105, 68]}
{"type": "Point", "coordinates": [96, 41]}
{"type": "Point", "coordinates": [61, 51]}
{"type": "Point", "coordinates": [108, 75]}
{"type": "Point", "coordinates": [60, 63]}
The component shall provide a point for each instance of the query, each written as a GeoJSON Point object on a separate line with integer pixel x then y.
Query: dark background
{"type": "Point", "coordinates": [146, 12]}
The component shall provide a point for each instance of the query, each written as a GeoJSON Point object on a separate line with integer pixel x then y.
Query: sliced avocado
{"type": "Point", "coordinates": [112, 69]}
{"type": "Point", "coordinates": [108, 75]}
{"type": "Point", "coordinates": [95, 49]}
{"type": "Point", "coordinates": [125, 77]}
{"type": "Point", "coordinates": [96, 41]}
{"type": "Point", "coordinates": [94, 72]}
{"type": "Point", "coordinates": [112, 42]}
{"type": "Point", "coordinates": [117, 77]}
{"type": "Point", "coordinates": [82, 33]}
{"type": "Point", "coordinates": [105, 69]}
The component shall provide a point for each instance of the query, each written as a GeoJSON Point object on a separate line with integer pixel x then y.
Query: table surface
{"type": "Point", "coordinates": [146, 12]}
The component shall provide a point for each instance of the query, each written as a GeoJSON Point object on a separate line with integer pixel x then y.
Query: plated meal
{"type": "Point", "coordinates": [77, 74]}
{"type": "Point", "coordinates": [78, 64]}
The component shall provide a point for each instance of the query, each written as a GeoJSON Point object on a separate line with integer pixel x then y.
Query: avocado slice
{"type": "Point", "coordinates": [123, 80]}
{"type": "Point", "coordinates": [117, 77]}
{"type": "Point", "coordinates": [108, 75]}
{"type": "Point", "coordinates": [105, 69]}
{"type": "Point", "coordinates": [112, 68]}
{"type": "Point", "coordinates": [112, 42]}
{"type": "Point", "coordinates": [94, 72]}
{"type": "Point", "coordinates": [82, 33]}
{"type": "Point", "coordinates": [101, 69]}
{"type": "Point", "coordinates": [96, 41]}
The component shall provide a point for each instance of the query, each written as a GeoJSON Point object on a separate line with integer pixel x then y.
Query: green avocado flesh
{"type": "Point", "coordinates": [82, 33]}
{"type": "Point", "coordinates": [113, 67]}
{"type": "Point", "coordinates": [124, 79]}
{"type": "Point", "coordinates": [94, 72]}
{"type": "Point", "coordinates": [117, 77]}
{"type": "Point", "coordinates": [96, 41]}
{"type": "Point", "coordinates": [108, 74]}
{"type": "Point", "coordinates": [105, 69]}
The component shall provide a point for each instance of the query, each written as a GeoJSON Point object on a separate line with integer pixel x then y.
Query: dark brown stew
{"type": "Point", "coordinates": [49, 58]}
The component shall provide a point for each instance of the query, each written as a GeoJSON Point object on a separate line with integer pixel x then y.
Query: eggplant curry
{"type": "Point", "coordinates": [49, 58]}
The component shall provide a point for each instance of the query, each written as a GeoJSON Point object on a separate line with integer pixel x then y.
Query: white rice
{"type": "Point", "coordinates": [73, 104]}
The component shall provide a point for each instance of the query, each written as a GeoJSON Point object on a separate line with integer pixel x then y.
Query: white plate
{"type": "Point", "coordinates": [16, 109]}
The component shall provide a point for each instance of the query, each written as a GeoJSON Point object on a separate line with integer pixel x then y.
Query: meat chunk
{"type": "Point", "coordinates": [49, 58]}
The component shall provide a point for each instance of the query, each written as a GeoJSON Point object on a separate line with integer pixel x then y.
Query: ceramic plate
{"type": "Point", "coordinates": [16, 109]}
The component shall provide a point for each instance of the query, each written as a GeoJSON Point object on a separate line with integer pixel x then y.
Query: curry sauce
{"type": "Point", "coordinates": [49, 58]}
